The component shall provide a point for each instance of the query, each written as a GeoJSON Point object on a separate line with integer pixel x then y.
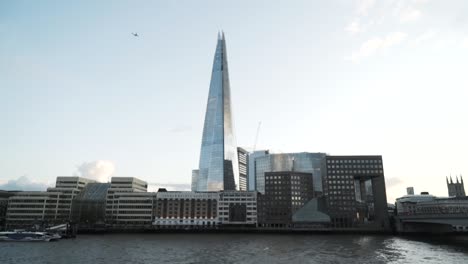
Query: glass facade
{"type": "Point", "coordinates": [300, 162]}
{"type": "Point", "coordinates": [218, 167]}
{"type": "Point", "coordinates": [251, 182]}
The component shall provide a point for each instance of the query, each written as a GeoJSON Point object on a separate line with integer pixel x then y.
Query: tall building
{"type": "Point", "coordinates": [243, 157]}
{"type": "Point", "coordinates": [313, 163]}
{"type": "Point", "coordinates": [285, 193]}
{"type": "Point", "coordinates": [218, 167]}
{"type": "Point", "coordinates": [456, 189]}
{"type": "Point", "coordinates": [251, 181]}
{"type": "Point", "coordinates": [355, 190]}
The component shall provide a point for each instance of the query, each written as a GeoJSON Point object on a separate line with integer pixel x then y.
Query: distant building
{"type": "Point", "coordinates": [69, 187]}
{"type": "Point", "coordinates": [4, 196]}
{"type": "Point", "coordinates": [119, 186]}
{"type": "Point", "coordinates": [89, 206]}
{"type": "Point", "coordinates": [194, 180]}
{"type": "Point", "coordinates": [251, 180]}
{"type": "Point", "coordinates": [355, 190]}
{"type": "Point", "coordinates": [243, 158]}
{"type": "Point", "coordinates": [132, 210]}
{"type": "Point", "coordinates": [237, 208]}
{"type": "Point", "coordinates": [186, 209]}
{"type": "Point", "coordinates": [285, 193]}
{"type": "Point", "coordinates": [313, 163]}
{"type": "Point", "coordinates": [410, 191]}
{"type": "Point", "coordinates": [28, 209]}
{"type": "Point", "coordinates": [456, 189]}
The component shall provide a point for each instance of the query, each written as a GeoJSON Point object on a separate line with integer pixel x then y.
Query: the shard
{"type": "Point", "coordinates": [218, 167]}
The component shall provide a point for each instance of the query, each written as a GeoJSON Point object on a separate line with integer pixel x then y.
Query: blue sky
{"type": "Point", "coordinates": [343, 77]}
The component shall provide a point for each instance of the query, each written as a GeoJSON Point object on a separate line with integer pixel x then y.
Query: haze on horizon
{"type": "Point", "coordinates": [82, 96]}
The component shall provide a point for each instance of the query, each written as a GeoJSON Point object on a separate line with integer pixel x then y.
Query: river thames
{"type": "Point", "coordinates": [238, 248]}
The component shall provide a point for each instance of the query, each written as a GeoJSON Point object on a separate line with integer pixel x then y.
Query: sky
{"type": "Point", "coordinates": [80, 95]}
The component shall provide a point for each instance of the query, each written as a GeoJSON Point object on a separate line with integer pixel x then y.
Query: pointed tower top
{"type": "Point", "coordinates": [456, 177]}
{"type": "Point", "coordinates": [446, 178]}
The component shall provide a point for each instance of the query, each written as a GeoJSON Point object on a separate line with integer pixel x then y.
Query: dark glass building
{"type": "Point", "coordinates": [355, 191]}
{"type": "Point", "coordinates": [218, 167]}
{"type": "Point", "coordinates": [285, 193]}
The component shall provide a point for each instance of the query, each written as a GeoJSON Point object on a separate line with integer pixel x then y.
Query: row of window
{"type": "Point", "coordinates": [353, 161]}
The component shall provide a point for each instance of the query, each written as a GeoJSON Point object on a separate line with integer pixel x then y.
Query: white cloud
{"type": "Point", "coordinates": [429, 34]}
{"type": "Point", "coordinates": [465, 42]}
{"type": "Point", "coordinates": [363, 6]}
{"type": "Point", "coordinates": [376, 44]}
{"type": "Point", "coordinates": [99, 170]}
{"type": "Point", "coordinates": [23, 183]}
{"type": "Point", "coordinates": [354, 27]}
{"type": "Point", "coordinates": [409, 14]}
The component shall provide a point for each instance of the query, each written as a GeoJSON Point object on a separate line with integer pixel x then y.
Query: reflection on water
{"type": "Point", "coordinates": [239, 248]}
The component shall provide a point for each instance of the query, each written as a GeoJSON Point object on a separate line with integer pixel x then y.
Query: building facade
{"type": "Point", "coordinates": [28, 209]}
{"type": "Point", "coordinates": [313, 163]}
{"type": "Point", "coordinates": [237, 208]}
{"type": "Point", "coordinates": [186, 209]}
{"type": "Point", "coordinates": [456, 189]}
{"type": "Point", "coordinates": [285, 193]}
{"type": "Point", "coordinates": [355, 191]}
{"type": "Point", "coordinates": [251, 181]}
{"type": "Point", "coordinates": [218, 168]}
{"type": "Point", "coordinates": [243, 158]}
{"type": "Point", "coordinates": [4, 196]}
{"type": "Point", "coordinates": [120, 186]}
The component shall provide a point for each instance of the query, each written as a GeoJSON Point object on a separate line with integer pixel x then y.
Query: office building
{"type": "Point", "coordinates": [237, 208]}
{"type": "Point", "coordinates": [27, 209]}
{"type": "Point", "coordinates": [218, 168]}
{"type": "Point", "coordinates": [285, 193]}
{"type": "Point", "coordinates": [313, 163]}
{"type": "Point", "coordinates": [456, 189]}
{"type": "Point", "coordinates": [131, 210]}
{"type": "Point", "coordinates": [4, 196]}
{"type": "Point", "coordinates": [186, 209]}
{"type": "Point", "coordinates": [355, 191]}
{"type": "Point", "coordinates": [69, 187]}
{"type": "Point", "coordinates": [88, 209]}
{"type": "Point", "coordinates": [251, 181]}
{"type": "Point", "coordinates": [119, 186]}
{"type": "Point", "coordinates": [243, 158]}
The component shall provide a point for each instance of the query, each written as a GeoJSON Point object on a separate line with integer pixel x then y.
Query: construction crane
{"type": "Point", "coordinates": [256, 136]}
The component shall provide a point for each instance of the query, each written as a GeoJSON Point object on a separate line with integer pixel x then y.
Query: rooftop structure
{"type": "Point", "coordinates": [456, 189]}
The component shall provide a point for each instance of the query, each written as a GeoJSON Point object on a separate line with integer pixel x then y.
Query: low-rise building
{"type": "Point", "coordinates": [4, 196]}
{"type": "Point", "coordinates": [237, 208]}
{"type": "Point", "coordinates": [186, 209]}
{"type": "Point", "coordinates": [132, 210]}
{"type": "Point", "coordinates": [28, 209]}
{"type": "Point", "coordinates": [118, 186]}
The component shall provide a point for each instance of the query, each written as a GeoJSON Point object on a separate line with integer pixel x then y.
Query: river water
{"type": "Point", "coordinates": [237, 248]}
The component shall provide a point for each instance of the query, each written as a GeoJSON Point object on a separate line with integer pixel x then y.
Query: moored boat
{"type": "Point", "coordinates": [25, 236]}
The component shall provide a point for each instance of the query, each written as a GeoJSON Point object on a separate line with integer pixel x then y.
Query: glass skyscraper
{"type": "Point", "coordinates": [218, 167]}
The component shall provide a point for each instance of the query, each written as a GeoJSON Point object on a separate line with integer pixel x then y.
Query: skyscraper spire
{"type": "Point", "coordinates": [218, 167]}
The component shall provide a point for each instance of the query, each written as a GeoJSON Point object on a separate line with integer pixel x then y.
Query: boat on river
{"type": "Point", "coordinates": [26, 236]}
